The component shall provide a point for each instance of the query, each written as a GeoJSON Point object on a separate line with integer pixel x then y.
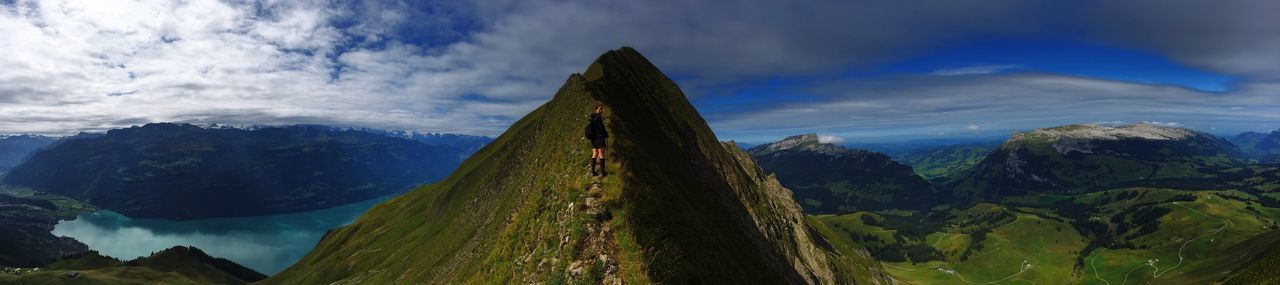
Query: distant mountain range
{"type": "Point", "coordinates": [181, 171]}
{"type": "Point", "coordinates": [1077, 204]}
{"type": "Point", "coordinates": [1264, 147]}
{"type": "Point", "coordinates": [467, 143]}
{"type": "Point", "coordinates": [1078, 158]}
{"type": "Point", "coordinates": [831, 179]}
{"type": "Point", "coordinates": [15, 148]}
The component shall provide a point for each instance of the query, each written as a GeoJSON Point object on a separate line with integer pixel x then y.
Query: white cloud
{"type": "Point", "coordinates": [976, 69]}
{"type": "Point", "coordinates": [1166, 124]}
{"type": "Point", "coordinates": [921, 104]}
{"type": "Point", "coordinates": [92, 65]}
{"type": "Point", "coordinates": [973, 128]}
{"type": "Point", "coordinates": [830, 139]}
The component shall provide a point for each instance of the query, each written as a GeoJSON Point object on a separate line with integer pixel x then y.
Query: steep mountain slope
{"type": "Point", "coordinates": [180, 171]}
{"type": "Point", "coordinates": [831, 179]}
{"type": "Point", "coordinates": [1263, 270]}
{"type": "Point", "coordinates": [176, 265]}
{"type": "Point", "coordinates": [14, 148]}
{"type": "Point", "coordinates": [1077, 158]}
{"type": "Point", "coordinates": [678, 206]}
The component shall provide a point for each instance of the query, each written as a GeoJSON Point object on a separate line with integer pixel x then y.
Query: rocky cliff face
{"type": "Point", "coordinates": [787, 230]}
{"type": "Point", "coordinates": [678, 206]}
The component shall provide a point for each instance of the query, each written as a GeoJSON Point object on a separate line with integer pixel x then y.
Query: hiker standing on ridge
{"type": "Point", "coordinates": [597, 134]}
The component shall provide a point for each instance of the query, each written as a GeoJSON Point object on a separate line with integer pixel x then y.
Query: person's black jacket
{"type": "Point", "coordinates": [595, 127]}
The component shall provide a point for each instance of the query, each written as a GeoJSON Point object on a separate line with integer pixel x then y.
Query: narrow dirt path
{"type": "Point", "coordinates": [595, 257]}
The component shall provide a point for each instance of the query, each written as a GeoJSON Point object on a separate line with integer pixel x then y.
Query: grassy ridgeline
{"type": "Point", "coordinates": [679, 206]}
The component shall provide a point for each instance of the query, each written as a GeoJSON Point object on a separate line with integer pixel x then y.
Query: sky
{"type": "Point", "coordinates": [852, 71]}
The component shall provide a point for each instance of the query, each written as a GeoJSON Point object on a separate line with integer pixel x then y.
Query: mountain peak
{"type": "Point", "coordinates": [622, 59]}
{"type": "Point", "coordinates": [803, 142]}
{"type": "Point", "coordinates": [678, 206]}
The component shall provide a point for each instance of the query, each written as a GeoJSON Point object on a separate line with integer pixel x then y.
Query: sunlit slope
{"type": "Point", "coordinates": [1144, 235]}
{"type": "Point", "coordinates": [678, 207]}
{"type": "Point", "coordinates": [176, 265]}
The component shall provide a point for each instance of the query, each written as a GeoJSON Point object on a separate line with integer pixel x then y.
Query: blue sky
{"type": "Point", "coordinates": [862, 71]}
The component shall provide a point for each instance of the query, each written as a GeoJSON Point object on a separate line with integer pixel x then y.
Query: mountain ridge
{"type": "Point", "coordinates": [183, 171]}
{"type": "Point", "coordinates": [15, 148]}
{"type": "Point", "coordinates": [678, 206]}
{"type": "Point", "coordinates": [1264, 147]}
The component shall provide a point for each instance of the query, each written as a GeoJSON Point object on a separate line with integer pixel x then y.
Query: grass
{"type": "Point", "coordinates": [123, 275]}
{"type": "Point", "coordinates": [1029, 238]}
{"type": "Point", "coordinates": [1261, 270]}
{"type": "Point", "coordinates": [1052, 245]}
{"type": "Point", "coordinates": [1208, 256]}
{"type": "Point", "coordinates": [940, 163]}
{"type": "Point", "coordinates": [178, 265]}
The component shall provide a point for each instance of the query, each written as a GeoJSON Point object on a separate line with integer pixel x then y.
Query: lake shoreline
{"type": "Point", "coordinates": [267, 244]}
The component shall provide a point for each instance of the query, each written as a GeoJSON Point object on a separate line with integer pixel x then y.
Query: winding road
{"type": "Point", "coordinates": [1026, 265]}
{"type": "Point", "coordinates": [1156, 273]}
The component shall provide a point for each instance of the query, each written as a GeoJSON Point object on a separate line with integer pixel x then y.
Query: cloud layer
{"type": "Point", "coordinates": [922, 105]}
{"type": "Point", "coordinates": [474, 67]}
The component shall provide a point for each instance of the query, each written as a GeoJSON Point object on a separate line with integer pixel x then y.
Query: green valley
{"type": "Point", "coordinates": [1167, 236]}
{"type": "Point", "coordinates": [1080, 204]}
{"type": "Point", "coordinates": [938, 163]}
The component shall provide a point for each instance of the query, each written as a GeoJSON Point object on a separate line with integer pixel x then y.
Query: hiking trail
{"type": "Point", "coordinates": [597, 253]}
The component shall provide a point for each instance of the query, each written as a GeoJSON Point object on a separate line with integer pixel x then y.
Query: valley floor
{"type": "Point", "coordinates": [1147, 236]}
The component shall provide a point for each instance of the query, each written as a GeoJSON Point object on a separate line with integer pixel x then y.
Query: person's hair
{"type": "Point", "coordinates": [599, 105]}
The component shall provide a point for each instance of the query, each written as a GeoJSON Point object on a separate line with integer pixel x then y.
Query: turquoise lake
{"type": "Point", "coordinates": [267, 244]}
